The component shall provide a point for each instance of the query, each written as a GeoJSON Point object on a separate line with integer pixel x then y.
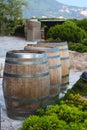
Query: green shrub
{"type": "Point", "coordinates": [11, 16]}
{"type": "Point", "coordinates": [43, 123]}
{"type": "Point", "coordinates": [75, 99]}
{"type": "Point", "coordinates": [68, 113]}
{"type": "Point", "coordinates": [58, 117]}
{"type": "Point", "coordinates": [82, 24]}
{"type": "Point", "coordinates": [77, 47]}
{"type": "Point", "coordinates": [68, 31]}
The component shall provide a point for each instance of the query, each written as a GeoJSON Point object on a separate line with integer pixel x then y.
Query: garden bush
{"type": "Point", "coordinates": [76, 99]}
{"type": "Point", "coordinates": [11, 16]}
{"type": "Point", "coordinates": [58, 117]}
{"type": "Point", "coordinates": [68, 31]}
{"type": "Point", "coordinates": [79, 47]}
{"type": "Point", "coordinates": [82, 24]}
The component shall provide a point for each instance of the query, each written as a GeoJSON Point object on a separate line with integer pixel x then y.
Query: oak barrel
{"type": "Point", "coordinates": [65, 62]}
{"type": "Point", "coordinates": [54, 69]}
{"type": "Point", "coordinates": [26, 82]}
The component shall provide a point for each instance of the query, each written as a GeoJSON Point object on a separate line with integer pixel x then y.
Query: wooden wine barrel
{"type": "Point", "coordinates": [26, 82]}
{"type": "Point", "coordinates": [65, 62]}
{"type": "Point", "coordinates": [54, 69]}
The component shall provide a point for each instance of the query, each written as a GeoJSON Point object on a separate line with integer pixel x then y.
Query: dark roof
{"type": "Point", "coordinates": [52, 20]}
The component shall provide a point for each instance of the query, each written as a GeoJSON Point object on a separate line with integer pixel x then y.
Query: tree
{"type": "Point", "coordinates": [10, 15]}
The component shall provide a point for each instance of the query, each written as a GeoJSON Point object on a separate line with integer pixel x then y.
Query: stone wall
{"type": "Point", "coordinates": [78, 61]}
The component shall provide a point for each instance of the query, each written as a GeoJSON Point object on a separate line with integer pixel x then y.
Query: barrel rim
{"type": "Point", "coordinates": [46, 48]}
{"type": "Point", "coordinates": [26, 54]}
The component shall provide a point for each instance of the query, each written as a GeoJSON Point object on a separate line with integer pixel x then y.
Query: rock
{"type": "Point", "coordinates": [78, 61]}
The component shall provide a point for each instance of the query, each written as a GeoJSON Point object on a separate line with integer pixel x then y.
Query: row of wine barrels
{"type": "Point", "coordinates": [32, 78]}
{"type": "Point", "coordinates": [54, 69]}
{"type": "Point", "coordinates": [26, 82]}
{"type": "Point", "coordinates": [64, 57]}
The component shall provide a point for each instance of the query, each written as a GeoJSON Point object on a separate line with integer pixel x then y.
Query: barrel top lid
{"type": "Point", "coordinates": [84, 76]}
{"type": "Point", "coordinates": [26, 54]}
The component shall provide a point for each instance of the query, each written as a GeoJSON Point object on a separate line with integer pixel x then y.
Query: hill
{"type": "Point", "coordinates": [52, 8]}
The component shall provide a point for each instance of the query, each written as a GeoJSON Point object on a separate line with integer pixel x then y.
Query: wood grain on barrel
{"type": "Point", "coordinates": [26, 82]}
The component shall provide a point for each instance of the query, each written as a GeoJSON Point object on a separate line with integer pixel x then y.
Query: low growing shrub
{"type": "Point", "coordinates": [77, 47]}
{"type": "Point", "coordinates": [58, 117]}
{"type": "Point", "coordinates": [67, 31]}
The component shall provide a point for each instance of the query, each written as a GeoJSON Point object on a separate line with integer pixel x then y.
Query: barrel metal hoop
{"type": "Point", "coordinates": [24, 62]}
{"type": "Point", "coordinates": [61, 43]}
{"type": "Point", "coordinates": [55, 86]}
{"type": "Point", "coordinates": [52, 102]}
{"type": "Point", "coordinates": [53, 95]}
{"type": "Point", "coordinates": [25, 55]}
{"type": "Point", "coordinates": [26, 100]}
{"type": "Point", "coordinates": [26, 76]}
{"type": "Point", "coordinates": [64, 76]}
{"type": "Point", "coordinates": [53, 49]}
{"type": "Point", "coordinates": [54, 67]}
{"type": "Point", "coordinates": [65, 58]}
{"type": "Point", "coordinates": [65, 84]}
{"type": "Point", "coordinates": [13, 116]}
{"type": "Point", "coordinates": [52, 57]}
{"type": "Point", "coordinates": [64, 49]}
{"type": "Point", "coordinates": [20, 111]}
{"type": "Point", "coordinates": [62, 90]}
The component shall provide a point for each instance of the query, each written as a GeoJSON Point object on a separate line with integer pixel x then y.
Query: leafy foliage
{"type": "Point", "coordinates": [10, 16]}
{"type": "Point", "coordinates": [68, 31]}
{"type": "Point", "coordinates": [58, 117]}
{"type": "Point", "coordinates": [76, 99]}
{"type": "Point", "coordinates": [82, 24]}
{"type": "Point", "coordinates": [79, 47]}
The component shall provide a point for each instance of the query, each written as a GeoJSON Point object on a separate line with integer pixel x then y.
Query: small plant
{"type": "Point", "coordinates": [76, 100]}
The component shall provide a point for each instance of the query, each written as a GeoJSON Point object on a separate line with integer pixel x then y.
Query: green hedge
{"type": "Point", "coordinates": [68, 31]}
{"type": "Point", "coordinates": [79, 47]}
{"type": "Point", "coordinates": [58, 117]}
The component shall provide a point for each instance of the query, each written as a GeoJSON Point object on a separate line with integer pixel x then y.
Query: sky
{"type": "Point", "coordinates": [79, 3]}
